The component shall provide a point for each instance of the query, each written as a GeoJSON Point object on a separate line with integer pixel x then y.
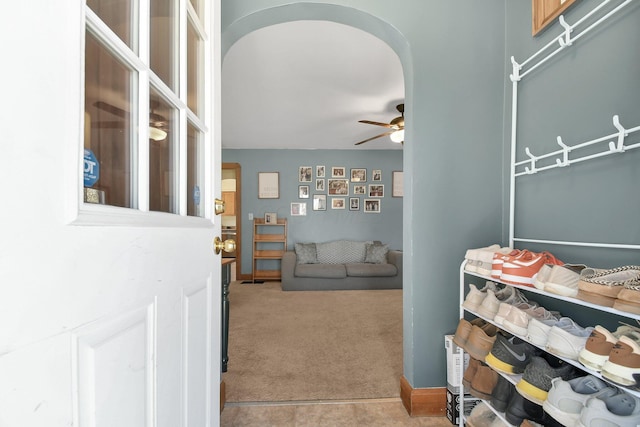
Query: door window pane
{"type": "Point", "coordinates": [163, 158]}
{"type": "Point", "coordinates": [194, 65]}
{"type": "Point", "coordinates": [163, 41]}
{"type": "Point", "coordinates": [108, 138]}
{"type": "Point", "coordinates": [117, 14]}
{"type": "Point", "coordinates": [195, 172]}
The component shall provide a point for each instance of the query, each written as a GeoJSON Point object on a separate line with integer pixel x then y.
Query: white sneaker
{"type": "Point", "coordinates": [538, 329]}
{"type": "Point", "coordinates": [566, 399]}
{"type": "Point", "coordinates": [621, 410]}
{"type": "Point", "coordinates": [489, 306]}
{"type": "Point", "coordinates": [505, 309]}
{"type": "Point", "coordinates": [518, 319]}
{"type": "Point", "coordinates": [600, 343]}
{"type": "Point", "coordinates": [473, 257]}
{"type": "Point", "coordinates": [567, 338]}
{"type": "Point", "coordinates": [475, 296]}
{"type": "Point", "coordinates": [563, 279]}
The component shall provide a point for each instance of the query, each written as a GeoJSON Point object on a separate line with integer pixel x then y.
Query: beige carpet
{"type": "Point", "coordinates": [313, 345]}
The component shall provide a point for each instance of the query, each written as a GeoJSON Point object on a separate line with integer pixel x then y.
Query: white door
{"type": "Point", "coordinates": [109, 316]}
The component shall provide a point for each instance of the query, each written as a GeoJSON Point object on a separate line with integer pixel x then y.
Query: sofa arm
{"type": "Point", "coordinates": [395, 257]}
{"type": "Point", "coordinates": [287, 269]}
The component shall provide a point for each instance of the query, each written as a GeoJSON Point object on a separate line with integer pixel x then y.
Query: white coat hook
{"type": "Point", "coordinates": [622, 132]}
{"type": "Point", "coordinates": [533, 162]}
{"type": "Point", "coordinates": [565, 153]}
{"type": "Point", "coordinates": [515, 76]}
{"type": "Point", "coordinates": [566, 39]}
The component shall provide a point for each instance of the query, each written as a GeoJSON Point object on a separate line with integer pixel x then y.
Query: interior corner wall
{"type": "Point", "coordinates": [319, 226]}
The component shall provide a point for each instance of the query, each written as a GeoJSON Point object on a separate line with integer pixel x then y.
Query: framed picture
{"type": "Point", "coordinates": [372, 205]}
{"type": "Point", "coordinates": [338, 187]}
{"type": "Point", "coordinates": [397, 184]}
{"type": "Point", "coordinates": [320, 171]}
{"type": "Point", "coordinates": [338, 203]}
{"type": "Point", "coordinates": [359, 189]}
{"type": "Point", "coordinates": [376, 175]}
{"type": "Point", "coordinates": [354, 203]}
{"type": "Point", "coordinates": [304, 174]}
{"type": "Point", "coordinates": [376, 190]}
{"type": "Point", "coordinates": [268, 185]}
{"type": "Point", "coordinates": [543, 12]}
{"type": "Point", "coordinates": [319, 184]}
{"type": "Point", "coordinates": [358, 175]}
{"type": "Point", "coordinates": [337, 172]}
{"type": "Point", "coordinates": [270, 218]}
{"type": "Point", "coordinates": [298, 209]}
{"type": "Point", "coordinates": [319, 202]}
{"type": "Point", "coordinates": [303, 191]}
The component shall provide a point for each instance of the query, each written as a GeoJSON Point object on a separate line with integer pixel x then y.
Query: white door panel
{"type": "Point", "coordinates": [114, 370]}
{"type": "Point", "coordinates": [101, 324]}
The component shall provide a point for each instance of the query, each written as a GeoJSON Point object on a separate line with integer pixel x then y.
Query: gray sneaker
{"type": "Point", "coordinates": [536, 380]}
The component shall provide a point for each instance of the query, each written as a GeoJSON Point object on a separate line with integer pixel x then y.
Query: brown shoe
{"type": "Point", "coordinates": [484, 382]}
{"type": "Point", "coordinates": [481, 340]}
{"type": "Point", "coordinates": [470, 372]}
{"type": "Point", "coordinates": [464, 329]}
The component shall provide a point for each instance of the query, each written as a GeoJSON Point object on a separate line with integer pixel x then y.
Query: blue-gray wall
{"type": "Point", "coordinates": [455, 57]}
{"type": "Point", "coordinates": [318, 226]}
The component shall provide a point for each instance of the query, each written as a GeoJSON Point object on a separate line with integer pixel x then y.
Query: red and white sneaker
{"type": "Point", "coordinates": [522, 269]}
{"type": "Point", "coordinates": [499, 258]}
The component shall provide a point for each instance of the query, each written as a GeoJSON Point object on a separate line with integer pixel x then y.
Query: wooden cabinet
{"type": "Point", "coordinates": [269, 245]}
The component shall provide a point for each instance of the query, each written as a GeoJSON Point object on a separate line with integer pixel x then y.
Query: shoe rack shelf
{"type": "Point", "coordinates": [532, 290]}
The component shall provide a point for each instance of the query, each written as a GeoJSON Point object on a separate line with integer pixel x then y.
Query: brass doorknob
{"type": "Point", "coordinates": [228, 245]}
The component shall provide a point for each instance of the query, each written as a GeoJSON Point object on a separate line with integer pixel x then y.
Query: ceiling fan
{"type": "Point", "coordinates": [396, 127]}
{"type": "Point", "coordinates": [158, 125]}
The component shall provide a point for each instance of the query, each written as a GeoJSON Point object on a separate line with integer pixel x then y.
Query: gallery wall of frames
{"type": "Point", "coordinates": [322, 187]}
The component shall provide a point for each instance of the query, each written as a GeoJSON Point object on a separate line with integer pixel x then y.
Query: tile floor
{"type": "Point", "coordinates": [369, 413]}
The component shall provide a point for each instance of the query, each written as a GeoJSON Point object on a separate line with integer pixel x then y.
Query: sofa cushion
{"type": "Point", "coordinates": [306, 253]}
{"type": "Point", "coordinates": [325, 271]}
{"type": "Point", "coordinates": [376, 254]}
{"type": "Point", "coordinates": [371, 270]}
{"type": "Point", "coordinates": [341, 251]}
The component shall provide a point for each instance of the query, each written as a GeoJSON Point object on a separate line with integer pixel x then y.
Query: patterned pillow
{"type": "Point", "coordinates": [306, 253]}
{"type": "Point", "coordinates": [341, 252]}
{"type": "Point", "coordinates": [376, 254]}
{"type": "Point", "coordinates": [329, 252]}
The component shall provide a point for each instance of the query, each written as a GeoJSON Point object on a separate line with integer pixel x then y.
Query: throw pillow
{"type": "Point", "coordinates": [306, 253]}
{"type": "Point", "coordinates": [330, 252]}
{"type": "Point", "coordinates": [376, 254]}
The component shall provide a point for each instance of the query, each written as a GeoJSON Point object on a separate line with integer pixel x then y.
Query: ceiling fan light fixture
{"type": "Point", "coordinates": [397, 136]}
{"type": "Point", "coordinates": [157, 134]}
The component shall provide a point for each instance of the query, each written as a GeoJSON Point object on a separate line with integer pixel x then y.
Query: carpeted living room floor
{"type": "Point", "coordinates": [313, 345]}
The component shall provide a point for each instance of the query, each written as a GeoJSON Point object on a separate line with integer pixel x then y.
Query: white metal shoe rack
{"type": "Point", "coordinates": [515, 378]}
{"type": "Point", "coordinates": [566, 155]}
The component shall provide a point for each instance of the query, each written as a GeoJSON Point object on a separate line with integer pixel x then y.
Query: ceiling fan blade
{"type": "Point", "coordinates": [111, 109]}
{"type": "Point", "coordinates": [374, 137]}
{"type": "Point", "coordinates": [369, 122]}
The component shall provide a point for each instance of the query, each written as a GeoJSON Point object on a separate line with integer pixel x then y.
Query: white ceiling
{"type": "Point", "coordinates": [305, 85]}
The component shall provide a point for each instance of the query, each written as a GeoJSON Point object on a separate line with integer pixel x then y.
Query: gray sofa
{"type": "Point", "coordinates": [341, 265]}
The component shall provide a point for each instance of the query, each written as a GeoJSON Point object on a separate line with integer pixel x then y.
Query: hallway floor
{"type": "Point", "coordinates": [370, 413]}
